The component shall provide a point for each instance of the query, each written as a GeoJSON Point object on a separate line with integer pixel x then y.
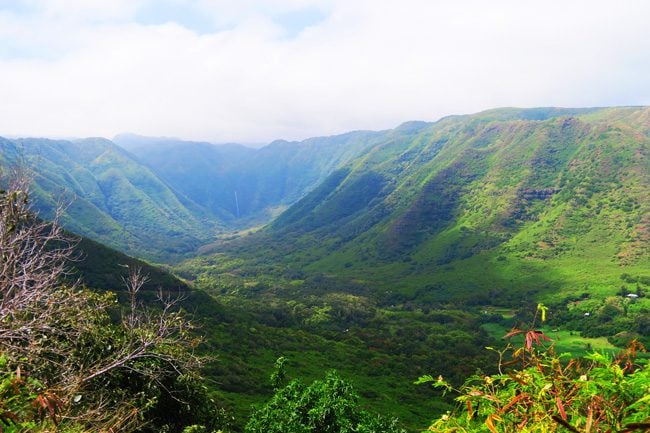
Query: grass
{"type": "Point", "coordinates": [564, 341]}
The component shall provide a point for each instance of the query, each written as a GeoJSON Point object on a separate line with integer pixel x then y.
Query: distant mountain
{"type": "Point", "coordinates": [202, 172]}
{"type": "Point", "coordinates": [112, 198]}
{"type": "Point", "coordinates": [163, 198]}
{"type": "Point", "coordinates": [496, 205]}
{"type": "Point", "coordinates": [501, 192]}
{"type": "Point", "coordinates": [243, 186]}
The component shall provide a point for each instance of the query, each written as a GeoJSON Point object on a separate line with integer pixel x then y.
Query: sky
{"type": "Point", "coordinates": [251, 71]}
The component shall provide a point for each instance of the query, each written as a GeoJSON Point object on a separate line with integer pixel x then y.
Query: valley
{"type": "Point", "coordinates": [384, 255]}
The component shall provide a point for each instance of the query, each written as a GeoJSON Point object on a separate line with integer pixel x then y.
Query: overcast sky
{"type": "Point", "coordinates": [255, 70]}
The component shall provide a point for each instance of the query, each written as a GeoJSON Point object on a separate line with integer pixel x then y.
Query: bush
{"type": "Point", "coordinates": [65, 360]}
{"type": "Point", "coordinates": [325, 406]}
{"type": "Point", "coordinates": [537, 391]}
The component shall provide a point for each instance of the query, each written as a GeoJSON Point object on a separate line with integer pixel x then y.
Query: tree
{"type": "Point", "coordinates": [325, 406]}
{"type": "Point", "coordinates": [33, 257]}
{"type": "Point", "coordinates": [76, 357]}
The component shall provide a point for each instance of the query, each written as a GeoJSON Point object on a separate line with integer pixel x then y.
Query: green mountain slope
{"type": "Point", "coordinates": [163, 198]}
{"type": "Point", "coordinates": [491, 206]}
{"type": "Point", "coordinates": [437, 239]}
{"type": "Point", "coordinates": [101, 267]}
{"type": "Point", "coordinates": [111, 197]}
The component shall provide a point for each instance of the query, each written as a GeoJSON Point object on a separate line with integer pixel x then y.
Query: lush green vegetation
{"type": "Point", "coordinates": [380, 350]}
{"type": "Point", "coordinates": [415, 249]}
{"type": "Point", "coordinates": [329, 406]}
{"type": "Point", "coordinates": [539, 391]}
{"type": "Point", "coordinates": [438, 240]}
{"type": "Point", "coordinates": [73, 360]}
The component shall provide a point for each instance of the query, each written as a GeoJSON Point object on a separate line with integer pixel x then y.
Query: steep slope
{"type": "Point", "coordinates": [498, 205]}
{"type": "Point", "coordinates": [202, 172]}
{"type": "Point", "coordinates": [101, 267]}
{"type": "Point", "coordinates": [111, 197]}
{"type": "Point", "coordinates": [244, 186]}
{"type": "Point", "coordinates": [161, 198]}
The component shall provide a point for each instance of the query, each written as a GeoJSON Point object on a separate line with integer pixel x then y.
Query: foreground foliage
{"type": "Point", "coordinates": [325, 406]}
{"type": "Point", "coordinates": [539, 391]}
{"type": "Point", "coordinates": [75, 360]}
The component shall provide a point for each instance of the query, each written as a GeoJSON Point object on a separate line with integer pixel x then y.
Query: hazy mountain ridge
{"type": "Point", "coordinates": [162, 198]}
{"type": "Point", "coordinates": [244, 186]}
{"type": "Point", "coordinates": [391, 193]}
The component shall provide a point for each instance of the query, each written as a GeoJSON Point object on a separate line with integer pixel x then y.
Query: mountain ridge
{"type": "Point", "coordinates": [416, 248]}
{"type": "Point", "coordinates": [161, 198]}
{"type": "Point", "coordinates": [132, 192]}
{"type": "Point", "coordinates": [471, 191]}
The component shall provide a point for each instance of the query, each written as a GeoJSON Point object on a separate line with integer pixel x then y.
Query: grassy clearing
{"type": "Point", "coordinates": [564, 341]}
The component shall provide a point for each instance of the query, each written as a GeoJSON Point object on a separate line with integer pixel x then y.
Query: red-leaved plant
{"type": "Point", "coordinates": [539, 391]}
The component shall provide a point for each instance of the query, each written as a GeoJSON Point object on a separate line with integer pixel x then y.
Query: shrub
{"type": "Point", "coordinates": [64, 359]}
{"type": "Point", "coordinates": [325, 406]}
{"type": "Point", "coordinates": [538, 391]}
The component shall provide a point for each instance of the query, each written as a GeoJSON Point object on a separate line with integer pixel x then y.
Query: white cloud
{"type": "Point", "coordinates": [88, 68]}
{"type": "Point", "coordinates": [84, 10]}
